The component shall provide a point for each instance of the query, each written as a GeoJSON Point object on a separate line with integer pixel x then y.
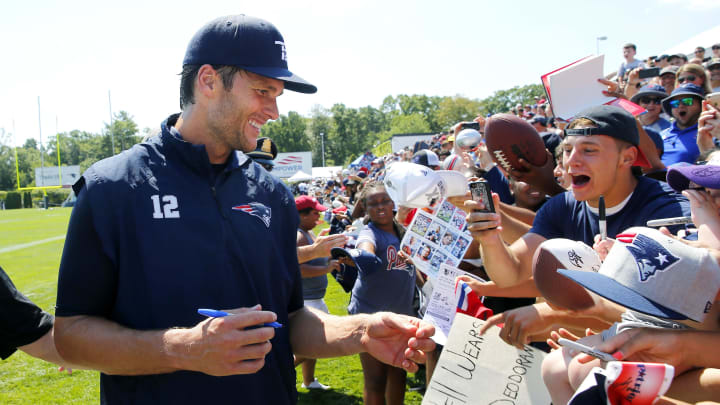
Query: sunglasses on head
{"type": "Point", "coordinates": [688, 78]}
{"type": "Point", "coordinates": [650, 100]}
{"type": "Point", "coordinates": [688, 101]}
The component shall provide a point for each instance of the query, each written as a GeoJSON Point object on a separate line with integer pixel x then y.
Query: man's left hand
{"type": "Point", "coordinates": [398, 340]}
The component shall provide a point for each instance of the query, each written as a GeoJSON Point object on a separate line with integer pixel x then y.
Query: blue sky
{"type": "Point", "coordinates": [71, 53]}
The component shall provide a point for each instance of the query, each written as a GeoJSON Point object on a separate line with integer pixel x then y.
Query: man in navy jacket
{"type": "Point", "coordinates": [187, 221]}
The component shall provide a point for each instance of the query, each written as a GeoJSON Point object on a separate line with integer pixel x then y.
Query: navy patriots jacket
{"type": "Point", "coordinates": [157, 233]}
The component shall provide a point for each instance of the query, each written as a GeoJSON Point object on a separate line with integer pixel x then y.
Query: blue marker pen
{"type": "Point", "coordinates": [214, 313]}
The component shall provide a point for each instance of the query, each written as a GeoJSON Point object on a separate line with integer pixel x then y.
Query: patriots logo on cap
{"type": "Point", "coordinates": [650, 256]}
{"type": "Point", "coordinates": [435, 194]}
{"type": "Point", "coordinates": [256, 209]}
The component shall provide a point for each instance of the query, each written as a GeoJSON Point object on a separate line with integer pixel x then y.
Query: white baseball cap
{"type": "Point", "coordinates": [651, 273]}
{"type": "Point", "coordinates": [416, 186]}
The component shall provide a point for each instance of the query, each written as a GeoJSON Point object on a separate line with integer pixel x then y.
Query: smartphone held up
{"type": "Point", "coordinates": [480, 192]}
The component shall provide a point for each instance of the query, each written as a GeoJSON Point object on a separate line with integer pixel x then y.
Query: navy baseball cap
{"type": "Point", "coordinates": [685, 89]}
{"type": "Point", "coordinates": [248, 43]}
{"type": "Point", "coordinates": [265, 152]}
{"type": "Point", "coordinates": [538, 119]}
{"type": "Point", "coordinates": [613, 122]}
{"type": "Point", "coordinates": [649, 90]}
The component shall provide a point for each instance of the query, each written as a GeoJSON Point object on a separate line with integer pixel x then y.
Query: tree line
{"type": "Point", "coordinates": [346, 132]}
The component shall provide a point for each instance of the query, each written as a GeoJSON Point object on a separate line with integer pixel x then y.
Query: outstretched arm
{"type": "Point", "coordinates": [398, 340]}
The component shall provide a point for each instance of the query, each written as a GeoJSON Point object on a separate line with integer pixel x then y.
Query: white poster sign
{"type": "Point", "coordinates": [482, 369]}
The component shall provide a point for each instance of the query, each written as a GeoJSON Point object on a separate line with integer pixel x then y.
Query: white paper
{"type": "Point", "coordinates": [576, 88]}
{"type": "Point", "coordinates": [482, 369]}
{"type": "Point", "coordinates": [437, 237]}
{"type": "Point", "coordinates": [442, 306]}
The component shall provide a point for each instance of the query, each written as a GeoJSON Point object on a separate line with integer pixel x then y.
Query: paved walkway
{"type": "Point", "coordinates": [30, 244]}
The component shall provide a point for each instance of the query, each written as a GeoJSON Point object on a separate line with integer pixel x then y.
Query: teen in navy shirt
{"type": "Point", "coordinates": [600, 149]}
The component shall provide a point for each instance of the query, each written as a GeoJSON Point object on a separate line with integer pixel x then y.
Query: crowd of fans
{"type": "Point", "coordinates": [604, 151]}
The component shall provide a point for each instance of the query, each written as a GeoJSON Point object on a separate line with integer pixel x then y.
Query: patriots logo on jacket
{"type": "Point", "coordinates": [256, 209]}
{"type": "Point", "coordinates": [650, 256]}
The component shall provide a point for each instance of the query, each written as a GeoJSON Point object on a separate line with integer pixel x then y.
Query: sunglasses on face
{"type": "Point", "coordinates": [689, 78]}
{"type": "Point", "coordinates": [267, 167]}
{"type": "Point", "coordinates": [688, 101]}
{"type": "Point", "coordinates": [650, 100]}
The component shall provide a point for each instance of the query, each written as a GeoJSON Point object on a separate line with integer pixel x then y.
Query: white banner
{"type": "Point", "coordinates": [287, 164]}
{"type": "Point", "coordinates": [49, 176]}
{"type": "Point", "coordinates": [482, 369]}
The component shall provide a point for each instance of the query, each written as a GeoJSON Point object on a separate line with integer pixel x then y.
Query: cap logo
{"type": "Point", "coordinates": [435, 194]}
{"type": "Point", "coordinates": [575, 258]}
{"type": "Point", "coordinates": [256, 209]}
{"type": "Point", "coordinates": [706, 171]}
{"type": "Point", "coordinates": [266, 146]}
{"type": "Point", "coordinates": [283, 53]}
{"type": "Point", "coordinates": [650, 256]}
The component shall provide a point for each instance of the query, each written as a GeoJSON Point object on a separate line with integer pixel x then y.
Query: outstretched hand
{"type": "Point", "coordinates": [650, 345]}
{"type": "Point", "coordinates": [323, 244]}
{"type": "Point", "coordinates": [540, 177]}
{"type": "Point", "coordinates": [398, 340]}
{"type": "Point", "coordinates": [521, 325]}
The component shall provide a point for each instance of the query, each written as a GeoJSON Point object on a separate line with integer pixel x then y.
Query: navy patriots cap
{"type": "Point", "coordinates": [246, 42]}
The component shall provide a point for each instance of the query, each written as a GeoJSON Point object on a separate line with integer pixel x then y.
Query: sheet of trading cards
{"type": "Point", "coordinates": [437, 236]}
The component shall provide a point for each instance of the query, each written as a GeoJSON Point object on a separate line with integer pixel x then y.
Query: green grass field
{"type": "Point", "coordinates": [33, 269]}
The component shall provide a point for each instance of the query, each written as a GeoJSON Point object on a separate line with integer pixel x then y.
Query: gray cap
{"type": "Point", "coordinates": [669, 69]}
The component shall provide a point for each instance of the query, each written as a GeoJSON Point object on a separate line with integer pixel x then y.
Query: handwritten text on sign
{"type": "Point", "coordinates": [482, 369]}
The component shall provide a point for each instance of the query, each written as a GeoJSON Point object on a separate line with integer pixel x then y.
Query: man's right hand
{"type": "Point", "coordinates": [483, 226]}
{"type": "Point", "coordinates": [323, 244]}
{"type": "Point", "coordinates": [223, 346]}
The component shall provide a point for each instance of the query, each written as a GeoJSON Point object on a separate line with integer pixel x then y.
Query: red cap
{"type": "Point", "coordinates": [339, 210]}
{"type": "Point", "coordinates": [305, 201]}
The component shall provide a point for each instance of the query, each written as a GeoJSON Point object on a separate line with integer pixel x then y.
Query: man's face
{"type": "Point", "coordinates": [686, 115]}
{"type": "Point", "coordinates": [700, 53]}
{"type": "Point", "coordinates": [628, 52]}
{"type": "Point", "coordinates": [526, 196]}
{"type": "Point", "coordinates": [309, 220]}
{"type": "Point", "coordinates": [690, 77]}
{"type": "Point", "coordinates": [592, 163]}
{"type": "Point", "coordinates": [715, 74]}
{"type": "Point", "coordinates": [668, 81]}
{"type": "Point", "coordinates": [676, 61]}
{"type": "Point", "coordinates": [716, 51]}
{"type": "Point", "coordinates": [236, 116]}
{"type": "Point", "coordinates": [653, 106]}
